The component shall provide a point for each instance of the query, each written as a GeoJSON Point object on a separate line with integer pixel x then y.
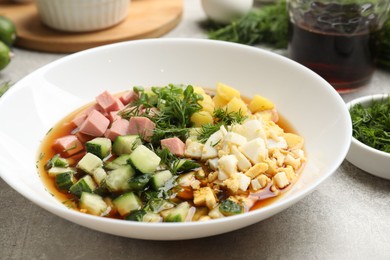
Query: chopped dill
{"type": "Point", "coordinates": [371, 125]}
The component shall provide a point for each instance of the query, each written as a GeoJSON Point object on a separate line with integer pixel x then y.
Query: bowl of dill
{"type": "Point", "coordinates": [370, 146]}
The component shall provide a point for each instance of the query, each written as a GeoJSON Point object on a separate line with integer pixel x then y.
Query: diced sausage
{"type": "Point", "coordinates": [174, 145]}
{"type": "Point", "coordinates": [118, 127]}
{"type": "Point", "coordinates": [127, 97]}
{"type": "Point", "coordinates": [95, 124]}
{"type": "Point", "coordinates": [108, 102]}
{"type": "Point", "coordinates": [67, 145]}
{"type": "Point", "coordinates": [142, 126]}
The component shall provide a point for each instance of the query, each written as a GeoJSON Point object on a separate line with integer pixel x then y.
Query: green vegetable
{"type": "Point", "coordinates": [229, 208]}
{"type": "Point", "coordinates": [384, 46]}
{"type": "Point", "coordinates": [371, 125]}
{"type": "Point", "coordinates": [7, 31]}
{"type": "Point", "coordinates": [267, 25]}
{"type": "Point", "coordinates": [5, 55]}
{"type": "Point", "coordinates": [175, 105]}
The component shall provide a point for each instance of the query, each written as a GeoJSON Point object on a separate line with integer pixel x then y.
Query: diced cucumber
{"type": "Point", "coordinates": [139, 182]}
{"type": "Point", "coordinates": [144, 159]}
{"type": "Point", "coordinates": [117, 162]}
{"type": "Point", "coordinates": [177, 214]}
{"type": "Point", "coordinates": [125, 144]}
{"type": "Point", "coordinates": [89, 163]}
{"type": "Point", "coordinates": [127, 203]}
{"type": "Point", "coordinates": [137, 215]}
{"type": "Point", "coordinates": [160, 178]}
{"type": "Point", "coordinates": [118, 179]}
{"type": "Point", "coordinates": [85, 184]}
{"type": "Point", "coordinates": [99, 146]}
{"type": "Point", "coordinates": [152, 217]}
{"type": "Point", "coordinates": [93, 203]}
{"type": "Point", "coordinates": [157, 205]}
{"type": "Point", "coordinates": [99, 175]}
{"type": "Point", "coordinates": [229, 208]}
{"type": "Point", "coordinates": [56, 161]}
{"type": "Point", "coordinates": [54, 171]}
{"type": "Point", "coordinates": [65, 180]}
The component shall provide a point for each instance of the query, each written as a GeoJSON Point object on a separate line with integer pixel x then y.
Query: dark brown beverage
{"type": "Point", "coordinates": [339, 45]}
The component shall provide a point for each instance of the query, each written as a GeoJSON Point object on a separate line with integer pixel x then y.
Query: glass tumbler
{"type": "Point", "coordinates": [337, 39]}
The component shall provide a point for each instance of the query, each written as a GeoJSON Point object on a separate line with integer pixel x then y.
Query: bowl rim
{"type": "Point", "coordinates": [366, 100]}
{"type": "Point", "coordinates": [65, 213]}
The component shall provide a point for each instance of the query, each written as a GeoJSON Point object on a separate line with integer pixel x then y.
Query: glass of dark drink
{"type": "Point", "coordinates": [337, 39]}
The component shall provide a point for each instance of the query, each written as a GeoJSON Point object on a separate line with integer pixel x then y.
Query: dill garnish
{"type": "Point", "coordinates": [371, 125]}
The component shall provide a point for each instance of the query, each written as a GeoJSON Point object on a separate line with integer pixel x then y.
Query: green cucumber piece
{"type": "Point", "coordinates": [54, 171]}
{"type": "Point", "coordinates": [118, 179]}
{"type": "Point", "coordinates": [139, 182]}
{"type": "Point", "coordinates": [99, 146]}
{"type": "Point", "coordinates": [229, 208]}
{"type": "Point", "coordinates": [137, 215]}
{"type": "Point", "coordinates": [99, 175]}
{"type": "Point", "coordinates": [56, 161]}
{"type": "Point", "coordinates": [85, 184]}
{"type": "Point", "coordinates": [127, 203]}
{"type": "Point", "coordinates": [89, 163]}
{"type": "Point", "coordinates": [125, 144]}
{"type": "Point", "coordinates": [117, 162]}
{"type": "Point", "coordinates": [144, 159]}
{"type": "Point", "coordinates": [93, 203]}
{"type": "Point", "coordinates": [177, 214]}
{"type": "Point", "coordinates": [159, 179]}
{"type": "Point", "coordinates": [65, 180]}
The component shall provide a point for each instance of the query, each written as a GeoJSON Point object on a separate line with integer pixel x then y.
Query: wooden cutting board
{"type": "Point", "coordinates": [146, 19]}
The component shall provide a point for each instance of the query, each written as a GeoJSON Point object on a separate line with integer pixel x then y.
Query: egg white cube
{"type": "Point", "coordinates": [255, 150]}
{"type": "Point", "coordinates": [280, 143]}
{"type": "Point", "coordinates": [228, 164]}
{"type": "Point", "coordinates": [193, 149]}
{"type": "Point", "coordinates": [243, 163]}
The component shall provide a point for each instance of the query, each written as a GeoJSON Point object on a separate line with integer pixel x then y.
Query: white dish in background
{"type": "Point", "coordinates": [82, 16]}
{"type": "Point", "coordinates": [363, 156]}
{"type": "Point", "coordinates": [34, 104]}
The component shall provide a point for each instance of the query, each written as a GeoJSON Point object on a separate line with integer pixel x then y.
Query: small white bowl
{"type": "Point", "coordinates": [363, 156]}
{"type": "Point", "coordinates": [82, 15]}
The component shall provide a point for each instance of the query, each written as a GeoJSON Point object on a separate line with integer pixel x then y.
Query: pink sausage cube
{"type": "Point", "coordinates": [67, 145]}
{"type": "Point", "coordinates": [95, 124]}
{"type": "Point", "coordinates": [108, 102]}
{"type": "Point", "coordinates": [142, 126]}
{"type": "Point", "coordinates": [127, 97]}
{"type": "Point", "coordinates": [174, 145]}
{"type": "Point", "coordinates": [118, 127]}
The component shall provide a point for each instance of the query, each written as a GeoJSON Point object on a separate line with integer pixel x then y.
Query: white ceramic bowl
{"type": "Point", "coordinates": [34, 104]}
{"type": "Point", "coordinates": [363, 156]}
{"type": "Point", "coordinates": [82, 15]}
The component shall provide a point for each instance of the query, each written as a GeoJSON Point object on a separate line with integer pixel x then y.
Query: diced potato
{"type": "Point", "coordinates": [199, 90]}
{"type": "Point", "coordinates": [260, 103]}
{"type": "Point", "coordinates": [219, 101]}
{"type": "Point", "coordinates": [201, 118]}
{"type": "Point", "coordinates": [226, 92]}
{"type": "Point", "coordinates": [207, 104]}
{"type": "Point", "coordinates": [236, 105]}
{"type": "Point", "coordinates": [293, 140]}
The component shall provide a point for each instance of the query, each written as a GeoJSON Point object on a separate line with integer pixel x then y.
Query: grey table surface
{"type": "Point", "coordinates": [347, 217]}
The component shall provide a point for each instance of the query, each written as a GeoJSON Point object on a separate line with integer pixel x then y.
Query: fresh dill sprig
{"type": "Point", "coordinates": [266, 25]}
{"type": "Point", "coordinates": [222, 117]}
{"type": "Point", "coordinates": [175, 164]}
